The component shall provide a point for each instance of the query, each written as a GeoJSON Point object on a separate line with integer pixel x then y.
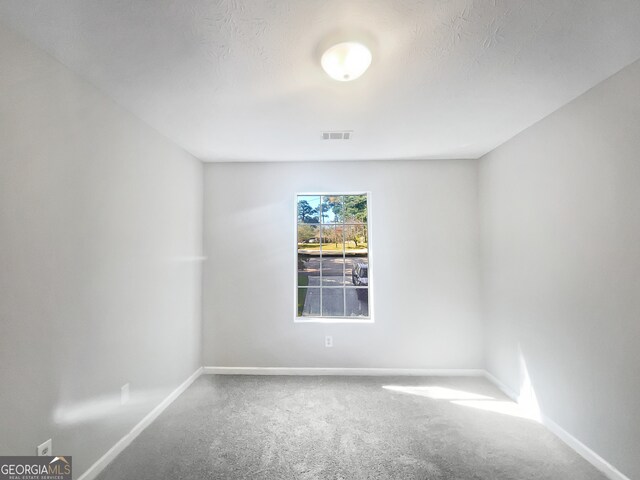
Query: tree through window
{"type": "Point", "coordinates": [333, 256]}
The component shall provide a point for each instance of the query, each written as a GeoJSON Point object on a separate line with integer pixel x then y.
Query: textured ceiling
{"type": "Point", "coordinates": [240, 79]}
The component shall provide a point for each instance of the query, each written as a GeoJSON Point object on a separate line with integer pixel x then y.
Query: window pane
{"type": "Point", "coordinates": [308, 238]}
{"type": "Point", "coordinates": [332, 209]}
{"type": "Point", "coordinates": [333, 302]}
{"type": "Point", "coordinates": [308, 302]}
{"type": "Point", "coordinates": [332, 271]}
{"type": "Point", "coordinates": [332, 240]}
{"type": "Point", "coordinates": [308, 270]}
{"type": "Point", "coordinates": [355, 209]}
{"type": "Point", "coordinates": [356, 240]}
{"type": "Point", "coordinates": [308, 209]}
{"type": "Point", "coordinates": [357, 302]}
{"type": "Point", "coordinates": [357, 270]}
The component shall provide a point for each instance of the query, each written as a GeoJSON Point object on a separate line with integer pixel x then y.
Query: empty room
{"type": "Point", "coordinates": [319, 240]}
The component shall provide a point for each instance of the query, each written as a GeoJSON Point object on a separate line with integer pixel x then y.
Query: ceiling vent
{"type": "Point", "coordinates": [338, 135]}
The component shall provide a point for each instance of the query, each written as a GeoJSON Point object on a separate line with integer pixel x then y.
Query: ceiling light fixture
{"type": "Point", "coordinates": [346, 61]}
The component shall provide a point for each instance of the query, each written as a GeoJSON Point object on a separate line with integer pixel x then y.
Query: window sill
{"type": "Point", "coordinates": [366, 320]}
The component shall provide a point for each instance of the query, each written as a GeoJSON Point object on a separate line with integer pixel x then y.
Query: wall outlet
{"type": "Point", "coordinates": [46, 449]}
{"type": "Point", "coordinates": [328, 341]}
{"type": "Point", "coordinates": [124, 394]}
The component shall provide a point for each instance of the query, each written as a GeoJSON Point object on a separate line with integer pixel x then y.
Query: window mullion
{"type": "Point", "coordinates": [320, 262]}
{"type": "Point", "coordinates": [344, 264]}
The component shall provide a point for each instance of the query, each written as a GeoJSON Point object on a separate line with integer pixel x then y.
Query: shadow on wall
{"type": "Point", "coordinates": [103, 407]}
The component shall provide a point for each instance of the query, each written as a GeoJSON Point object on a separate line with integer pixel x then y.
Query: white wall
{"type": "Point", "coordinates": [560, 209]}
{"type": "Point", "coordinates": [97, 212]}
{"type": "Point", "coordinates": [425, 266]}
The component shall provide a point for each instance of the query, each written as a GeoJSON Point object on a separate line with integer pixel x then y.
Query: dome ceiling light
{"type": "Point", "coordinates": [346, 61]}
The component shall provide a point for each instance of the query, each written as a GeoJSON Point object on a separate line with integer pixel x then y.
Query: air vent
{"type": "Point", "coordinates": [338, 135]}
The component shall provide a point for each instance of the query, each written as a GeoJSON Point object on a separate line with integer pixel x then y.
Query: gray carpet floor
{"type": "Point", "coordinates": [277, 428]}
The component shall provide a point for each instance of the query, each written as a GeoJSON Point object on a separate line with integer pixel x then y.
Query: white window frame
{"type": "Point", "coordinates": [309, 319]}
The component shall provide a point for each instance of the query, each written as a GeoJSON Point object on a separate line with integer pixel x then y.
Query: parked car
{"type": "Point", "coordinates": [360, 278]}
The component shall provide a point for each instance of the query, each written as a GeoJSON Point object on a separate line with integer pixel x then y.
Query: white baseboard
{"type": "Point", "coordinates": [94, 470]}
{"type": "Point", "coordinates": [592, 457]}
{"type": "Point", "coordinates": [504, 388]}
{"type": "Point", "coordinates": [426, 372]}
{"type": "Point", "coordinates": [585, 452]}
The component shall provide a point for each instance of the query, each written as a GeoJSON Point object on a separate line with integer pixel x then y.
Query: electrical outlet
{"type": "Point", "coordinates": [328, 341]}
{"type": "Point", "coordinates": [46, 449]}
{"type": "Point", "coordinates": [124, 394]}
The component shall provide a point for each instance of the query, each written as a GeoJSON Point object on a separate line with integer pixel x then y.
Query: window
{"type": "Point", "coordinates": [333, 257]}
